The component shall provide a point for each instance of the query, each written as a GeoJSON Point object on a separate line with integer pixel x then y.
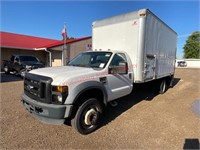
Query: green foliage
{"type": "Point", "coordinates": [192, 46]}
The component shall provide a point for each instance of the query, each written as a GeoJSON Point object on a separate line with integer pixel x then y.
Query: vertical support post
{"type": "Point", "coordinates": [64, 52]}
{"type": "Point", "coordinates": [64, 34]}
{"type": "Point", "coordinates": [141, 45]}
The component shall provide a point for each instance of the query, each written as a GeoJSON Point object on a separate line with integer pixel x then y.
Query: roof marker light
{"type": "Point", "coordinates": [142, 15]}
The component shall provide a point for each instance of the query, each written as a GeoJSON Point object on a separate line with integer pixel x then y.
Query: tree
{"type": "Point", "coordinates": [192, 46]}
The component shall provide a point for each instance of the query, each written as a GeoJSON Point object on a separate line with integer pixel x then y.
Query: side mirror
{"type": "Point", "coordinates": [122, 68]}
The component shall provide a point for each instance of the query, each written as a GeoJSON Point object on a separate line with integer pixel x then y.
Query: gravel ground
{"type": "Point", "coordinates": [141, 120]}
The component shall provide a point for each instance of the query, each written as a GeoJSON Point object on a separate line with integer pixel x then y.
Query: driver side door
{"type": "Point", "coordinates": [119, 79]}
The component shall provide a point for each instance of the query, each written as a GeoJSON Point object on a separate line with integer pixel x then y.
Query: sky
{"type": "Point", "coordinates": [46, 18]}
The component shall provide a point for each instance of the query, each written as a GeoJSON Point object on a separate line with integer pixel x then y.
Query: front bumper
{"type": "Point", "coordinates": [47, 113]}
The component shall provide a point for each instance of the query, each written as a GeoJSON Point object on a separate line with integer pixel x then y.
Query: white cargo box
{"type": "Point", "coordinates": [149, 42]}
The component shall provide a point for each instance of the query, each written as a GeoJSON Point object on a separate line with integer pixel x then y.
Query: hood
{"type": "Point", "coordinates": [65, 73]}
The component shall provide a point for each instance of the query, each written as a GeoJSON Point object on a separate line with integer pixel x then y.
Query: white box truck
{"type": "Point", "coordinates": [136, 47]}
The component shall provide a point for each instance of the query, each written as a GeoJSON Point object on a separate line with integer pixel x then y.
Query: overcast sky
{"type": "Point", "coordinates": [46, 19]}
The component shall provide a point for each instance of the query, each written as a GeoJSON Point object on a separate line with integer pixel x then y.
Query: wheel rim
{"type": "Point", "coordinates": [90, 117]}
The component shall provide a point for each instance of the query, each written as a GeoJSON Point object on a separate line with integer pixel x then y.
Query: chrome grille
{"type": "Point", "coordinates": [38, 87]}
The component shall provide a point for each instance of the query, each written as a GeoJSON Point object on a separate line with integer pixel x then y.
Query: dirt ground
{"type": "Point", "coordinates": [141, 120]}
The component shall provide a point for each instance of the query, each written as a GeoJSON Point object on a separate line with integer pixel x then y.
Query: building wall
{"type": "Point", "coordinates": [56, 58]}
{"type": "Point", "coordinates": [190, 62]}
{"type": "Point", "coordinates": [78, 47]}
{"type": "Point", "coordinates": [7, 53]}
{"type": "Point", "coordinates": [72, 50]}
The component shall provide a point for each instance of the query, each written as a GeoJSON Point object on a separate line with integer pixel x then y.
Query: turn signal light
{"type": "Point", "coordinates": [60, 89]}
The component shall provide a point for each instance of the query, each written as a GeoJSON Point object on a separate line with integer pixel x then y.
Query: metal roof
{"type": "Point", "coordinates": [12, 40]}
{"type": "Point", "coordinates": [59, 43]}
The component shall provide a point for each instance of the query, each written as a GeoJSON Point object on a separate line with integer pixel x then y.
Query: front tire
{"type": "Point", "coordinates": [87, 116]}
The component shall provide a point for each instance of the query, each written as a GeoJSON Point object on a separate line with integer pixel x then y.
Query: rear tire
{"type": "Point", "coordinates": [163, 86]}
{"type": "Point", "coordinates": [171, 82]}
{"type": "Point", "coordinates": [87, 116]}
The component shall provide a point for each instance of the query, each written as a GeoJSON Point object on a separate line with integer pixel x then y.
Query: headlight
{"type": "Point", "coordinates": [59, 94]}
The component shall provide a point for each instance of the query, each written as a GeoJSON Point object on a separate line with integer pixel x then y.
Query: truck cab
{"type": "Point", "coordinates": [82, 89]}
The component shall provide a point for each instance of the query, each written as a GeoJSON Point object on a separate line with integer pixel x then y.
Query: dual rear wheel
{"type": "Point", "coordinates": [164, 84]}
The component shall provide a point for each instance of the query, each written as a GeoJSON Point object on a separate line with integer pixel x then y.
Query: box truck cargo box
{"type": "Point", "coordinates": [149, 42]}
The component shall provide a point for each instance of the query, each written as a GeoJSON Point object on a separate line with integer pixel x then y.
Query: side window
{"type": "Point", "coordinates": [118, 58]}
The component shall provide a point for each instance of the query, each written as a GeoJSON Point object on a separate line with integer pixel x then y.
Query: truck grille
{"type": "Point", "coordinates": [38, 87]}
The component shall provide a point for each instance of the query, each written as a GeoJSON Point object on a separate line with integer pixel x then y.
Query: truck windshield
{"type": "Point", "coordinates": [91, 59]}
{"type": "Point", "coordinates": [28, 58]}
